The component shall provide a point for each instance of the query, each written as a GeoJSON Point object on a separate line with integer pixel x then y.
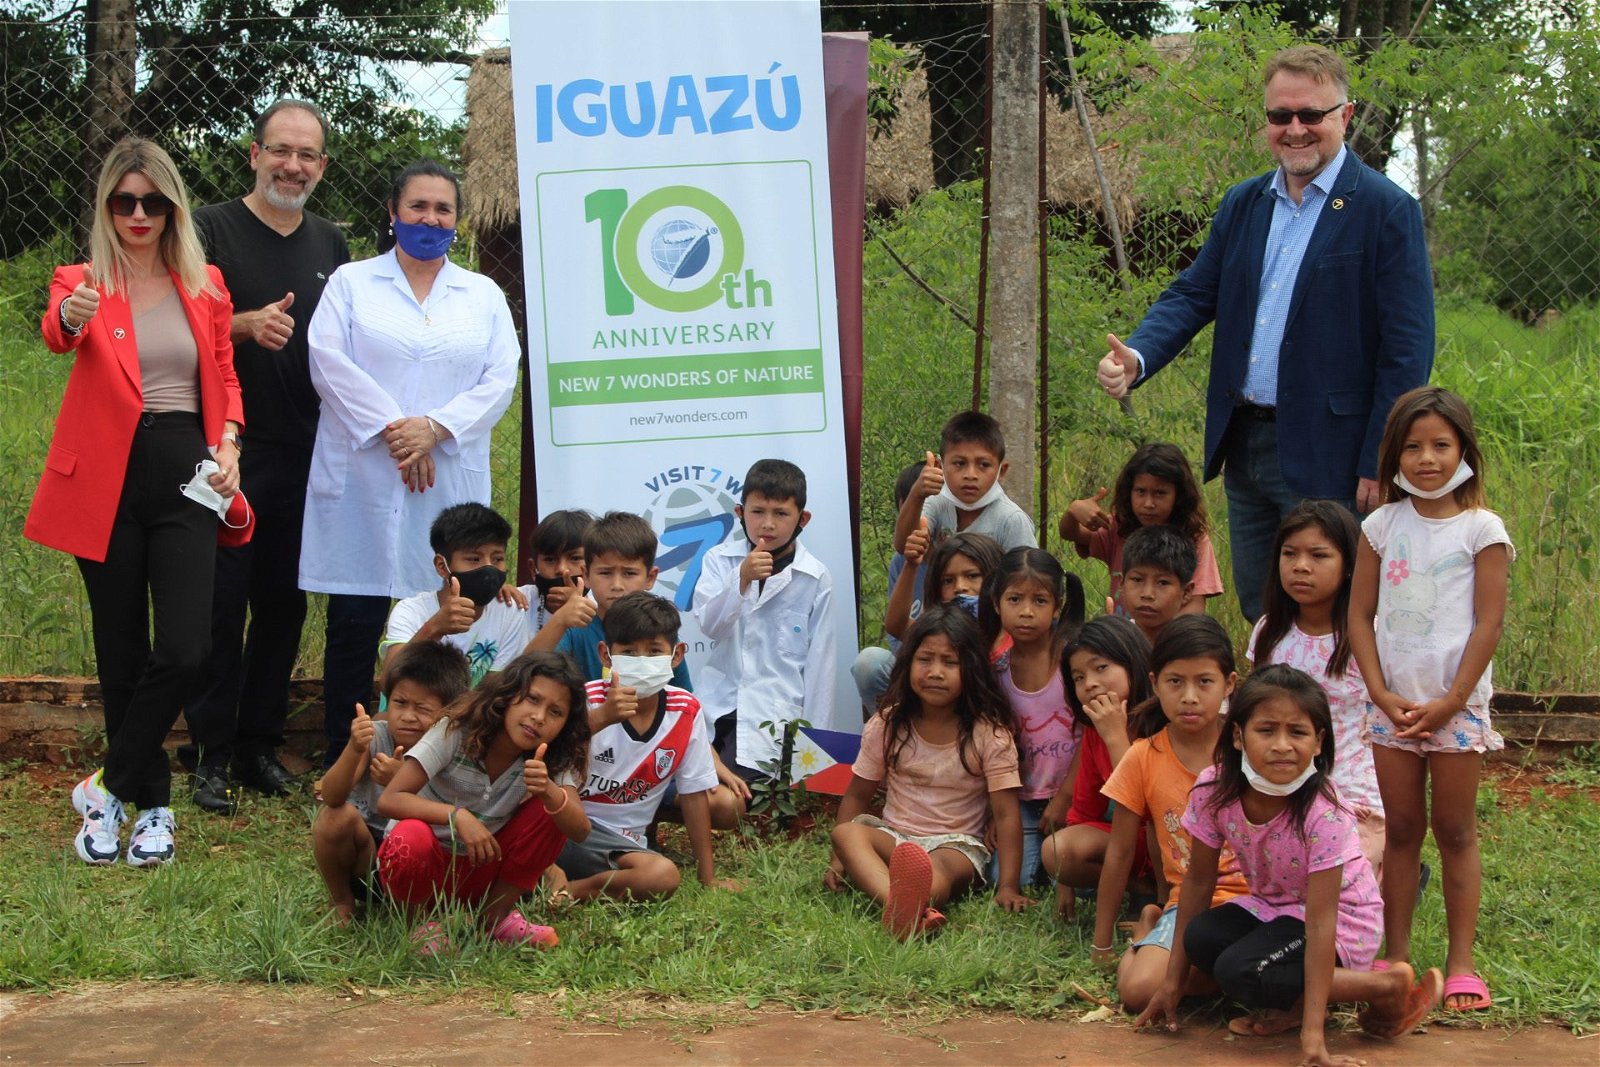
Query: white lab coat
{"type": "Point", "coordinates": [775, 658]}
{"type": "Point", "coordinates": [377, 355]}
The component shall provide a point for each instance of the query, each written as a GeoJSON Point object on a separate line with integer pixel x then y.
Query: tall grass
{"type": "Point", "coordinates": [1535, 393]}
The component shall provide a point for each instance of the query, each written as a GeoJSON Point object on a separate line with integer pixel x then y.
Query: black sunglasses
{"type": "Point", "coordinates": [155, 205]}
{"type": "Point", "coordinates": [1308, 116]}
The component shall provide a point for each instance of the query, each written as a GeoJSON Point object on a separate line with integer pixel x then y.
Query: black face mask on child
{"type": "Point", "coordinates": [480, 584]}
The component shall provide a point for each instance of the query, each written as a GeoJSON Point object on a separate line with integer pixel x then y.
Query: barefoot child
{"type": "Point", "coordinates": [1036, 605]}
{"type": "Point", "coordinates": [1191, 669]}
{"type": "Point", "coordinates": [1107, 669]}
{"type": "Point", "coordinates": [1156, 488]}
{"type": "Point", "coordinates": [422, 680]}
{"type": "Point", "coordinates": [1433, 569]}
{"type": "Point", "coordinates": [943, 749]}
{"type": "Point", "coordinates": [1302, 623]}
{"type": "Point", "coordinates": [1306, 934]}
{"type": "Point", "coordinates": [485, 801]}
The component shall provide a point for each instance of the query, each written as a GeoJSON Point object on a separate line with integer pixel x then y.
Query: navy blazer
{"type": "Point", "coordinates": [1359, 332]}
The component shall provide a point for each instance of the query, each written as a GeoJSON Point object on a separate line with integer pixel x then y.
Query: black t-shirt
{"type": "Point", "coordinates": [259, 265]}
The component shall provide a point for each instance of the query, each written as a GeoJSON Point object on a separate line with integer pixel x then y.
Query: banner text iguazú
{"type": "Point", "coordinates": [722, 103]}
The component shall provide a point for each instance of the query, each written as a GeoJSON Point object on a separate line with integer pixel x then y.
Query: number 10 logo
{"type": "Point", "coordinates": [698, 229]}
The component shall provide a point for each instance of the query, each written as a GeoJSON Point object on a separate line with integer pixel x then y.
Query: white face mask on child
{"type": "Point", "coordinates": [1271, 788]}
{"type": "Point", "coordinates": [1463, 472]}
{"type": "Point", "coordinates": [995, 493]}
{"type": "Point", "coordinates": [647, 674]}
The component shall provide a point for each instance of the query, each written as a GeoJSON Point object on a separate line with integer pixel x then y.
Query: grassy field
{"type": "Point", "coordinates": [244, 905]}
{"type": "Point", "coordinates": [1535, 392]}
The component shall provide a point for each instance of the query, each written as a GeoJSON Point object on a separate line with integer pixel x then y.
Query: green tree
{"type": "Point", "coordinates": [195, 73]}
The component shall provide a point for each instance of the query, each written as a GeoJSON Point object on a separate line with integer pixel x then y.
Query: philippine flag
{"type": "Point", "coordinates": [822, 759]}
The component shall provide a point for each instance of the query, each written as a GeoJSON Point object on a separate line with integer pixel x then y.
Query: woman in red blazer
{"type": "Point", "coordinates": [152, 394]}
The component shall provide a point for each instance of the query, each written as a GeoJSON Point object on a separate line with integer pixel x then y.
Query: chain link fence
{"type": "Point", "coordinates": [1495, 133]}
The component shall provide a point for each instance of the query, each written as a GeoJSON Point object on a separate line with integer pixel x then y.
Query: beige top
{"type": "Point", "coordinates": [169, 360]}
{"type": "Point", "coordinates": [930, 791]}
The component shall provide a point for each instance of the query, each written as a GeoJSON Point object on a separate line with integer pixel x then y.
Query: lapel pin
{"type": "Point", "coordinates": [1338, 203]}
{"type": "Point", "coordinates": [119, 333]}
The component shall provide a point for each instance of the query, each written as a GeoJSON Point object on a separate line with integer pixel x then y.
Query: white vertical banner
{"type": "Point", "coordinates": [682, 324]}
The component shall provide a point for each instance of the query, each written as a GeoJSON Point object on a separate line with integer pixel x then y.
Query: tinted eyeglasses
{"type": "Point", "coordinates": [155, 205]}
{"type": "Point", "coordinates": [1308, 116]}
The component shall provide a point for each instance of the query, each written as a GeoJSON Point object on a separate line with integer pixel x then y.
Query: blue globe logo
{"type": "Point", "coordinates": [681, 249]}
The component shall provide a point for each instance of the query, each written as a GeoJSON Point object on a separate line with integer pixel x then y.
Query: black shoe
{"type": "Point", "coordinates": [213, 792]}
{"type": "Point", "coordinates": [266, 775]}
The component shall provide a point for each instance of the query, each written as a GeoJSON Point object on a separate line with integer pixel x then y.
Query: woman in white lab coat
{"type": "Point", "coordinates": [415, 359]}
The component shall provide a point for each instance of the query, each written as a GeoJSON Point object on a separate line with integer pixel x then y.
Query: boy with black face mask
{"type": "Point", "coordinates": [466, 612]}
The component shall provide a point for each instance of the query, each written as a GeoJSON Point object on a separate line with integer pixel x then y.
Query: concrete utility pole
{"type": "Point", "coordinates": [1014, 240]}
{"type": "Point", "coordinates": [111, 47]}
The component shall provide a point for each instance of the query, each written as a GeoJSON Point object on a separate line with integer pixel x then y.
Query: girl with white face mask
{"type": "Point", "coordinates": [1306, 934]}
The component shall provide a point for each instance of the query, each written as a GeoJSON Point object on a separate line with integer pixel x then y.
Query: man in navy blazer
{"type": "Point", "coordinates": [1317, 277]}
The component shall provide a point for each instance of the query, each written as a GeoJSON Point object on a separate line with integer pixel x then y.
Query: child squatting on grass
{"type": "Point", "coordinates": [1191, 670]}
{"type": "Point", "coordinates": [1307, 932]}
{"type": "Point", "coordinates": [421, 681]}
{"type": "Point", "coordinates": [1426, 610]}
{"type": "Point", "coordinates": [943, 749]}
{"type": "Point", "coordinates": [486, 800]}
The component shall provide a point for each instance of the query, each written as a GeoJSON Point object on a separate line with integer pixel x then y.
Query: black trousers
{"type": "Point", "coordinates": [355, 626]}
{"type": "Point", "coordinates": [242, 698]}
{"type": "Point", "coordinates": [158, 563]}
{"type": "Point", "coordinates": [1259, 964]}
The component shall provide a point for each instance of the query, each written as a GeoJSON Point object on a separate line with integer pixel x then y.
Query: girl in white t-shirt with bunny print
{"type": "Point", "coordinates": [1426, 611]}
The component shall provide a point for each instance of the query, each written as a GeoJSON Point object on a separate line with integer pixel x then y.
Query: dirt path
{"type": "Point", "coordinates": [188, 1024]}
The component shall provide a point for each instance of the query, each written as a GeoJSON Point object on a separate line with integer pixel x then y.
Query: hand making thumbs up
{"type": "Point", "coordinates": [456, 613]}
{"type": "Point", "coordinates": [82, 303]}
{"type": "Point", "coordinates": [535, 775]}
{"type": "Point", "coordinates": [932, 479]}
{"type": "Point", "coordinates": [917, 543]}
{"type": "Point", "coordinates": [1118, 369]}
{"type": "Point", "coordinates": [270, 326]}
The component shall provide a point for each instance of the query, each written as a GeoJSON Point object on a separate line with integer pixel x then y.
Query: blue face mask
{"type": "Point", "coordinates": [966, 602]}
{"type": "Point", "coordinates": [422, 242]}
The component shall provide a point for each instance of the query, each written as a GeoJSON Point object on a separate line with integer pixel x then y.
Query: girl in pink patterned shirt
{"type": "Point", "coordinates": [1303, 624]}
{"type": "Point", "coordinates": [1307, 932]}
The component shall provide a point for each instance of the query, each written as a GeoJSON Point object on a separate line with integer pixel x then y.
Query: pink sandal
{"type": "Point", "coordinates": [431, 940]}
{"type": "Point", "coordinates": [515, 929]}
{"type": "Point", "coordinates": [1467, 985]}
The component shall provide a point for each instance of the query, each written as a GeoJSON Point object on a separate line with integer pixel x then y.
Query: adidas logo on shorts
{"type": "Point", "coordinates": [606, 757]}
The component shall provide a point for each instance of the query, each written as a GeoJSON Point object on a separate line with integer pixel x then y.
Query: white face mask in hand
{"type": "Point", "coordinates": [648, 675]}
{"type": "Point", "coordinates": [199, 490]}
{"type": "Point", "coordinates": [1463, 472]}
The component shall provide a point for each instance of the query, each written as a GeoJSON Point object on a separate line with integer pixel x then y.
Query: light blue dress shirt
{"type": "Point", "coordinates": [1292, 225]}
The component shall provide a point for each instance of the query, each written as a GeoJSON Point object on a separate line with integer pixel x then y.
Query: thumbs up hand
{"type": "Point", "coordinates": [384, 767]}
{"type": "Point", "coordinates": [535, 775]}
{"type": "Point", "coordinates": [932, 479]}
{"type": "Point", "coordinates": [579, 610]}
{"type": "Point", "coordinates": [456, 613]}
{"type": "Point", "coordinates": [917, 542]}
{"type": "Point", "coordinates": [361, 730]}
{"type": "Point", "coordinates": [1118, 369]}
{"type": "Point", "coordinates": [271, 326]}
{"type": "Point", "coordinates": [1088, 513]}
{"type": "Point", "coordinates": [82, 303]}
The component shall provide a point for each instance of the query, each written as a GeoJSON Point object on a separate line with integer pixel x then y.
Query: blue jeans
{"type": "Point", "coordinates": [1031, 839]}
{"type": "Point", "coordinates": [871, 673]}
{"type": "Point", "coordinates": [1258, 500]}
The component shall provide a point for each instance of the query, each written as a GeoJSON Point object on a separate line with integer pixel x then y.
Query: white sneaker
{"type": "Point", "coordinates": [153, 838]}
{"type": "Point", "coordinates": [103, 816]}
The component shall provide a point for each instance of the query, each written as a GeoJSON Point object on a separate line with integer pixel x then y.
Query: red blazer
{"type": "Point", "coordinates": [78, 493]}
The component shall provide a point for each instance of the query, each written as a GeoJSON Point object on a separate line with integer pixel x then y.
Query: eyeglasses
{"type": "Point", "coordinates": [282, 153]}
{"type": "Point", "coordinates": [155, 205]}
{"type": "Point", "coordinates": [1308, 116]}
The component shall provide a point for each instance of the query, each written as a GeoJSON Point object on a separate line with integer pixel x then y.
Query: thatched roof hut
{"type": "Point", "coordinates": [899, 163]}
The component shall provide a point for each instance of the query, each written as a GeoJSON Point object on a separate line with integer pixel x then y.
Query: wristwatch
{"type": "Point", "coordinates": [233, 438]}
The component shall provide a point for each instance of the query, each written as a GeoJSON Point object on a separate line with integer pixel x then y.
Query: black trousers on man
{"type": "Point", "coordinates": [159, 562]}
{"type": "Point", "coordinates": [243, 693]}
